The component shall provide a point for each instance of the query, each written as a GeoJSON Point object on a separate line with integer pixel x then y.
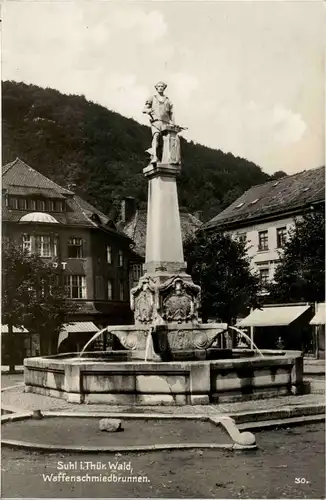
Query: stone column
{"type": "Point", "coordinates": [164, 251]}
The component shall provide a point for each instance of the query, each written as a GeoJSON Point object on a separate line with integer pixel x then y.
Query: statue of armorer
{"type": "Point", "coordinates": [160, 111]}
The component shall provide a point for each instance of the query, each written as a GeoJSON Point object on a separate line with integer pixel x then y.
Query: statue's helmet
{"type": "Point", "coordinates": [160, 83]}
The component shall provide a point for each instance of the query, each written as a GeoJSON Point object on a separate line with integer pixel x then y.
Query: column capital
{"type": "Point", "coordinates": [161, 169]}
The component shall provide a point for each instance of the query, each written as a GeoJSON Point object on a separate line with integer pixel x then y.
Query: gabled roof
{"type": "Point", "coordinates": [20, 179]}
{"type": "Point", "coordinates": [18, 174]}
{"type": "Point", "coordinates": [290, 194]}
{"type": "Point", "coordinates": [135, 228]}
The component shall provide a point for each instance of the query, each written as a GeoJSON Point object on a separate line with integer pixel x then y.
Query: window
{"type": "Point", "coordinates": [120, 258]}
{"type": "Point", "coordinates": [58, 206]}
{"type": "Point", "coordinates": [43, 246]}
{"type": "Point", "coordinates": [109, 254]}
{"type": "Point", "coordinates": [263, 240]}
{"type": "Point", "coordinates": [50, 206]}
{"type": "Point", "coordinates": [76, 287]}
{"type": "Point", "coordinates": [75, 248]}
{"type": "Point", "coordinates": [264, 276]}
{"type": "Point", "coordinates": [22, 204]}
{"type": "Point", "coordinates": [110, 290]}
{"type": "Point", "coordinates": [240, 205]}
{"type": "Point", "coordinates": [242, 237]}
{"type": "Point", "coordinates": [27, 243]}
{"type": "Point", "coordinates": [281, 236]}
{"type": "Point", "coordinates": [121, 290]}
{"type": "Point", "coordinates": [41, 205]}
{"type": "Point", "coordinates": [31, 204]}
{"type": "Point", "coordinates": [13, 203]}
{"type": "Point", "coordinates": [137, 271]}
{"type": "Point", "coordinates": [254, 201]}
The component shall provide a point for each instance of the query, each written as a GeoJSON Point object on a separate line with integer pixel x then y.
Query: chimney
{"type": "Point", "coordinates": [198, 215]}
{"type": "Point", "coordinates": [71, 187]}
{"type": "Point", "coordinates": [128, 209]}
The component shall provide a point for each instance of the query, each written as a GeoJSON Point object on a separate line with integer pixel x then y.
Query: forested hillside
{"type": "Point", "coordinates": [72, 140]}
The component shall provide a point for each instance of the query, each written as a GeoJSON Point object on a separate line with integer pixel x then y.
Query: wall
{"type": "Point", "coordinates": [264, 258]}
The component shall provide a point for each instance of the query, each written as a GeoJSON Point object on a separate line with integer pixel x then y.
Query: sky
{"type": "Point", "coordinates": [246, 77]}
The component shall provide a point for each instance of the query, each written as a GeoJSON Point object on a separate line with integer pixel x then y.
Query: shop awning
{"type": "Point", "coordinates": [273, 316]}
{"type": "Point", "coordinates": [77, 327]}
{"type": "Point", "coordinates": [80, 326]}
{"type": "Point", "coordinates": [4, 329]}
{"type": "Point", "coordinates": [320, 316]}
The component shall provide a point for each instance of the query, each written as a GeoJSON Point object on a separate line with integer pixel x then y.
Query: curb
{"type": "Point", "coordinates": [131, 448]}
{"type": "Point", "coordinates": [12, 387]}
{"type": "Point", "coordinates": [241, 440]}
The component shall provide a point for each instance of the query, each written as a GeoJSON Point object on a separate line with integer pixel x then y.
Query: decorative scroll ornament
{"type": "Point", "coordinates": [142, 298]}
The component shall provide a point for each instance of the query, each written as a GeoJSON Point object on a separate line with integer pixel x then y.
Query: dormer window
{"type": "Point", "coordinates": [32, 205]}
{"type": "Point", "coordinates": [58, 206]}
{"type": "Point", "coordinates": [240, 205]}
{"type": "Point", "coordinates": [22, 204]}
{"type": "Point", "coordinates": [254, 201]}
{"type": "Point", "coordinates": [41, 205]}
{"type": "Point", "coordinates": [13, 203]}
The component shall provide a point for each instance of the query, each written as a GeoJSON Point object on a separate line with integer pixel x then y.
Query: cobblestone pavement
{"type": "Point", "coordinates": [19, 400]}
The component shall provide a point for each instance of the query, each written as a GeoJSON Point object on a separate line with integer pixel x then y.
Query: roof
{"type": "Point", "coordinates": [80, 326]}
{"type": "Point", "coordinates": [289, 194]}
{"type": "Point", "coordinates": [273, 316]}
{"type": "Point", "coordinates": [19, 174]}
{"type": "Point", "coordinates": [135, 228]}
{"type": "Point", "coordinates": [19, 329]}
{"type": "Point", "coordinates": [19, 179]}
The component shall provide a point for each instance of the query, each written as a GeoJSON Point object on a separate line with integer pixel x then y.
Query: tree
{"type": "Point", "coordinates": [300, 275]}
{"type": "Point", "coordinates": [33, 296]}
{"type": "Point", "coordinates": [220, 265]}
{"type": "Point", "coordinates": [278, 175]}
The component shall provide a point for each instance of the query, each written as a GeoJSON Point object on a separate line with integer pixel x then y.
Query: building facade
{"type": "Point", "coordinates": [264, 214]}
{"type": "Point", "coordinates": [54, 222]}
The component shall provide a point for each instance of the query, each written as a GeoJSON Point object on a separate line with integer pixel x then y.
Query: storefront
{"type": "Point", "coordinates": [282, 326]}
{"type": "Point", "coordinates": [318, 322]}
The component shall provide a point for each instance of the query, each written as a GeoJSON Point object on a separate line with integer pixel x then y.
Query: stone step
{"type": "Point", "coordinates": [281, 413]}
{"type": "Point", "coordinates": [314, 367]}
{"type": "Point", "coordinates": [314, 386]}
{"type": "Point", "coordinates": [285, 422]}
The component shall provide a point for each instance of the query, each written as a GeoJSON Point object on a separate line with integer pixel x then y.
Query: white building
{"type": "Point", "coordinates": [264, 214]}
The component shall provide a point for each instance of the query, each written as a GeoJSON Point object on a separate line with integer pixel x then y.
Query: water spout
{"type": "Point", "coordinates": [243, 334]}
{"type": "Point", "coordinates": [97, 334]}
{"type": "Point", "coordinates": [149, 342]}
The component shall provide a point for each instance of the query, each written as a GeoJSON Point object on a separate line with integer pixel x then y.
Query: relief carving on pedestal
{"type": "Point", "coordinates": [180, 300]}
{"type": "Point", "coordinates": [142, 298]}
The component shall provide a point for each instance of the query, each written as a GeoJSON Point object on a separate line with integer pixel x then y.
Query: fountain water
{"type": "Point", "coordinates": [168, 356]}
{"type": "Point", "coordinates": [94, 337]}
{"type": "Point", "coordinates": [243, 334]}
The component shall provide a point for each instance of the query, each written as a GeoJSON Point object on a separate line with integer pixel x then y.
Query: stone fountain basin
{"type": "Point", "coordinates": [168, 338]}
{"type": "Point", "coordinates": [136, 382]}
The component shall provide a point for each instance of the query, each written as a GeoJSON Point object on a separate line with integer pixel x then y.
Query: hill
{"type": "Point", "coordinates": [75, 141]}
